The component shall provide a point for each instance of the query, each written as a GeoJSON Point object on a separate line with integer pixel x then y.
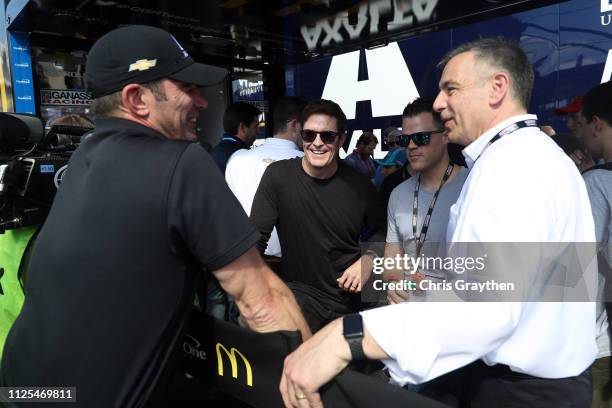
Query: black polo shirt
{"type": "Point", "coordinates": [111, 277]}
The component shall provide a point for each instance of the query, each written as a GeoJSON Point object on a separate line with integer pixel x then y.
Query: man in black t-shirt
{"type": "Point", "coordinates": [320, 207]}
{"type": "Point", "coordinates": [140, 210]}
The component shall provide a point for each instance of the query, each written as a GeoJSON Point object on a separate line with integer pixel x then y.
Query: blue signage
{"type": "Point", "coordinates": [569, 45]}
{"type": "Point", "coordinates": [47, 168]}
{"type": "Point", "coordinates": [21, 64]}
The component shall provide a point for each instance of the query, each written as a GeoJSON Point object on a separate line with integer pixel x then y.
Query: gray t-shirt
{"type": "Point", "coordinates": [599, 187]}
{"type": "Point", "coordinates": [399, 215]}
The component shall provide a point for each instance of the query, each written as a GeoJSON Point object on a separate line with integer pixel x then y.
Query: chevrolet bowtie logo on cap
{"type": "Point", "coordinates": [142, 65]}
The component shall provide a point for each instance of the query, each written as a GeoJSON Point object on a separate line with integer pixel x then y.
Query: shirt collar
{"type": "Point", "coordinates": [473, 151]}
{"type": "Point", "coordinates": [232, 138]}
{"type": "Point", "coordinates": [284, 143]}
{"type": "Point", "coordinates": [110, 124]}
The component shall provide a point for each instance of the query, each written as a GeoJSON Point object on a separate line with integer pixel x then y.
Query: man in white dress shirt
{"type": "Point", "coordinates": [521, 188]}
{"type": "Point", "coordinates": [246, 167]}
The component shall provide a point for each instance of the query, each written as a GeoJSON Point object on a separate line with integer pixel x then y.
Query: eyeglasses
{"type": "Point", "coordinates": [327, 136]}
{"type": "Point", "coordinates": [419, 138]}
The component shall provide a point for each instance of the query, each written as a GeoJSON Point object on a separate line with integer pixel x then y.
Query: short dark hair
{"type": "Point", "coordinates": [598, 102]}
{"type": "Point", "coordinates": [422, 105]}
{"type": "Point", "coordinates": [285, 110]}
{"type": "Point", "coordinates": [504, 54]}
{"type": "Point", "coordinates": [237, 113]}
{"type": "Point", "coordinates": [107, 104]}
{"type": "Point", "coordinates": [72, 119]}
{"type": "Point", "coordinates": [325, 107]}
{"type": "Point", "coordinates": [366, 138]}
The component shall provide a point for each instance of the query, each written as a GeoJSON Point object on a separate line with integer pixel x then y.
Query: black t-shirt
{"type": "Point", "coordinates": [319, 223]}
{"type": "Point", "coordinates": [111, 278]}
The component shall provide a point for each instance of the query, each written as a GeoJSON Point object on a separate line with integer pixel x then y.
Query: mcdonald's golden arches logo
{"type": "Point", "coordinates": [231, 354]}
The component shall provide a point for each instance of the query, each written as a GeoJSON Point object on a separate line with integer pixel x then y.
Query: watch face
{"type": "Point", "coordinates": [353, 325]}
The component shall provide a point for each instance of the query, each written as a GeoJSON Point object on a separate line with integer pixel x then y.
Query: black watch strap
{"type": "Point", "coordinates": [356, 346]}
{"type": "Point", "coordinates": [353, 333]}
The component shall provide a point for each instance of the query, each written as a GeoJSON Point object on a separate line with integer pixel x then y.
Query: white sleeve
{"type": "Point", "coordinates": [238, 180]}
{"type": "Point", "coordinates": [427, 339]}
{"type": "Point", "coordinates": [232, 173]}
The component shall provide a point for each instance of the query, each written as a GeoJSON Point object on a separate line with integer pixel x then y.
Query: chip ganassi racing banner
{"type": "Point", "coordinates": [65, 97]}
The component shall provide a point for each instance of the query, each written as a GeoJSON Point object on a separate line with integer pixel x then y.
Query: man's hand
{"type": "Point", "coordinates": [395, 274]}
{"type": "Point", "coordinates": [264, 301]}
{"type": "Point", "coordinates": [398, 295]}
{"type": "Point", "coordinates": [548, 130]}
{"type": "Point", "coordinates": [313, 364]}
{"type": "Point", "coordinates": [317, 361]}
{"type": "Point", "coordinates": [353, 277]}
{"type": "Point", "coordinates": [583, 160]}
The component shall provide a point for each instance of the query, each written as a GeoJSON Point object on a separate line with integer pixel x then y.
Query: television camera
{"type": "Point", "coordinates": [32, 165]}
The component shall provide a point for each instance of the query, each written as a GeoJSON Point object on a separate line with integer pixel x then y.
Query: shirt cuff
{"type": "Point", "coordinates": [402, 332]}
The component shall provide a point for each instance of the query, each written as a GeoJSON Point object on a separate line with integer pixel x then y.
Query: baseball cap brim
{"type": "Point", "coordinates": [200, 74]}
{"type": "Point", "coordinates": [387, 164]}
{"type": "Point", "coordinates": [394, 158]}
{"type": "Point", "coordinates": [573, 107]}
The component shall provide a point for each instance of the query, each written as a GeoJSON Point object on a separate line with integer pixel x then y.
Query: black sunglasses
{"type": "Point", "coordinates": [419, 138]}
{"type": "Point", "coordinates": [327, 136]}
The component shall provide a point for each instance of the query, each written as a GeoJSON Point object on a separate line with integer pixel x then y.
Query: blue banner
{"type": "Point", "coordinates": [21, 64]}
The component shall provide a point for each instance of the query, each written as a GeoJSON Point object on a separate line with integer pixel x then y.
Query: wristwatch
{"type": "Point", "coordinates": [353, 333]}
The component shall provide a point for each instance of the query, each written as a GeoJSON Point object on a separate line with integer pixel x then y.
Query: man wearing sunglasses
{"type": "Point", "coordinates": [320, 207]}
{"type": "Point", "coordinates": [417, 214]}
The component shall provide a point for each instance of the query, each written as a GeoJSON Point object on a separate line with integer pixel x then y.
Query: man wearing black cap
{"type": "Point", "coordinates": [140, 211]}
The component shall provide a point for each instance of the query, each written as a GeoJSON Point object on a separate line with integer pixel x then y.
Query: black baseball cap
{"type": "Point", "coordinates": [140, 54]}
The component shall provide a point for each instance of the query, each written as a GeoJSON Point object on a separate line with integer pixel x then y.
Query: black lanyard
{"type": "Point", "coordinates": [420, 239]}
{"type": "Point", "coordinates": [507, 130]}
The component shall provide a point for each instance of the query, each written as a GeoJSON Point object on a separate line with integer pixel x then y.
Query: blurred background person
{"type": "Point", "coordinates": [246, 167]}
{"type": "Point", "coordinates": [240, 122]}
{"type": "Point", "coordinates": [571, 113]}
{"type": "Point", "coordinates": [361, 158]}
{"type": "Point", "coordinates": [392, 162]}
{"type": "Point", "coordinates": [596, 125]}
{"type": "Point", "coordinates": [390, 137]}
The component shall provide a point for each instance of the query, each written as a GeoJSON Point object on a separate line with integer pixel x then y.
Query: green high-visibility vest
{"type": "Point", "coordinates": [13, 244]}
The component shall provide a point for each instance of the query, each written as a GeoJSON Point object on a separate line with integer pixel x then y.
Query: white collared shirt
{"type": "Point", "coordinates": [245, 169]}
{"type": "Point", "coordinates": [522, 188]}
